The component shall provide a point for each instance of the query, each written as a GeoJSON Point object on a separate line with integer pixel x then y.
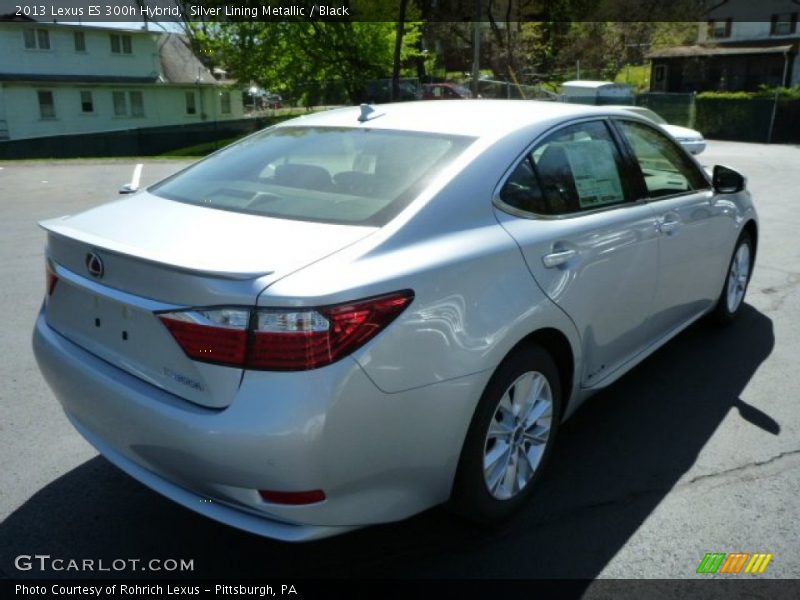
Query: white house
{"type": "Point", "coordinates": [741, 45]}
{"type": "Point", "coordinates": [60, 79]}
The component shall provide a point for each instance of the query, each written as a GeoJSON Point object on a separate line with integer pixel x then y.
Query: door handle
{"type": "Point", "coordinates": [667, 225]}
{"type": "Point", "coordinates": [556, 259]}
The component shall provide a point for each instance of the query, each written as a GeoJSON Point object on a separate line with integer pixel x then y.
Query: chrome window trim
{"type": "Point", "coordinates": [498, 202]}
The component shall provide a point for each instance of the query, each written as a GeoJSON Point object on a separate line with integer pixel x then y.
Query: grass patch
{"type": "Point", "coordinates": [200, 149]}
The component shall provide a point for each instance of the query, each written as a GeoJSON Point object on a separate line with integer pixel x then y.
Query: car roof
{"type": "Point", "coordinates": [475, 118]}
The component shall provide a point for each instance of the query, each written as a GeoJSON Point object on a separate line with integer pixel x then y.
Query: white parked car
{"type": "Point", "coordinates": [690, 139]}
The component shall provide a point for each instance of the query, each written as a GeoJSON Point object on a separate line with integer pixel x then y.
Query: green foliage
{"type": "Point", "coordinates": [310, 61]}
{"type": "Point", "coordinates": [636, 75]}
{"type": "Point", "coordinates": [792, 93]}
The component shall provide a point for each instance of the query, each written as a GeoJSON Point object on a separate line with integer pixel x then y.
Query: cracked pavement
{"type": "Point", "coordinates": [696, 450]}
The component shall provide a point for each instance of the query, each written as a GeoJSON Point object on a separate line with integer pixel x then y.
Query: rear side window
{"type": "Point", "coordinates": [666, 168]}
{"type": "Point", "coordinates": [332, 175]}
{"type": "Point", "coordinates": [575, 169]}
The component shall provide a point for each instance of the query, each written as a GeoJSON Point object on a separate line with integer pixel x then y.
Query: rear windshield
{"type": "Point", "coordinates": [324, 174]}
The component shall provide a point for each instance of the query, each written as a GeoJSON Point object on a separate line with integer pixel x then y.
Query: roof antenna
{"type": "Point", "coordinates": [367, 113]}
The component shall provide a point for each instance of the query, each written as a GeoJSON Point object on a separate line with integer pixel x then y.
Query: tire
{"type": "Point", "coordinates": [740, 268]}
{"type": "Point", "coordinates": [514, 445]}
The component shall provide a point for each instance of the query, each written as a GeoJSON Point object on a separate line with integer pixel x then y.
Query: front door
{"type": "Point", "coordinates": [692, 227]}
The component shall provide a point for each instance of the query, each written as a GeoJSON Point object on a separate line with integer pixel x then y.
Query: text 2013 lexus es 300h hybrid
{"type": "Point", "coordinates": [356, 315]}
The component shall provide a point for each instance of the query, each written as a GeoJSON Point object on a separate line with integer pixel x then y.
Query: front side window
{"type": "Point", "coordinates": [325, 174]}
{"type": "Point", "coordinates": [47, 107]}
{"type": "Point", "coordinates": [667, 170]}
{"type": "Point", "coordinates": [575, 169]}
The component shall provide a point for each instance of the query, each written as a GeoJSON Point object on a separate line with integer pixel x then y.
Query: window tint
{"type": "Point", "coordinates": [327, 174]}
{"type": "Point", "coordinates": [666, 168]}
{"type": "Point", "coordinates": [575, 169]}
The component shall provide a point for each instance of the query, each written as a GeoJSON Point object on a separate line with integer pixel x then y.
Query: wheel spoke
{"type": "Point", "coordinates": [534, 455]}
{"type": "Point", "coordinates": [497, 453]}
{"type": "Point", "coordinates": [537, 411]}
{"type": "Point", "coordinates": [521, 390]}
{"type": "Point", "coordinates": [495, 472]}
{"type": "Point", "coordinates": [538, 433]}
{"type": "Point", "coordinates": [509, 476]}
{"type": "Point", "coordinates": [500, 430]}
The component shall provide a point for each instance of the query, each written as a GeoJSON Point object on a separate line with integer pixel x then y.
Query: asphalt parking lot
{"type": "Point", "coordinates": [697, 450]}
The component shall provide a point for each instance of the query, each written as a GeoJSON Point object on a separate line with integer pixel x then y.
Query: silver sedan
{"type": "Point", "coordinates": [353, 316]}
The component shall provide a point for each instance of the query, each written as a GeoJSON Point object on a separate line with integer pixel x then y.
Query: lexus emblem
{"type": "Point", "coordinates": [94, 264]}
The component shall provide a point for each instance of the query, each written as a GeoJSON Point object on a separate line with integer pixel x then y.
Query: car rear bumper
{"type": "Point", "coordinates": [378, 457]}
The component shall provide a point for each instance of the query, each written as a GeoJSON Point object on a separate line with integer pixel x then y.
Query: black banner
{"type": "Point", "coordinates": [411, 589]}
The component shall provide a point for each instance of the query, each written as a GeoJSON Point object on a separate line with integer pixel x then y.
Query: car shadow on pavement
{"type": "Point", "coordinates": [614, 462]}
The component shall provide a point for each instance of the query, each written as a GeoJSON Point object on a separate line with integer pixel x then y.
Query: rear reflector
{"type": "Point", "coordinates": [292, 497]}
{"type": "Point", "coordinates": [291, 339]}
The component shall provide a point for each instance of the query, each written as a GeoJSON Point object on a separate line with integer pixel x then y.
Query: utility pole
{"type": "Point", "coordinates": [476, 48]}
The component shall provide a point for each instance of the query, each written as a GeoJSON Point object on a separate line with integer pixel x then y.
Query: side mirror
{"type": "Point", "coordinates": [727, 181]}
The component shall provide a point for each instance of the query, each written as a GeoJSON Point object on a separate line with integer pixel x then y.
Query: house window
{"type": "Point", "coordinates": [128, 105]}
{"type": "Point", "coordinates": [783, 24]}
{"type": "Point", "coordinates": [120, 105]}
{"type": "Point", "coordinates": [120, 44]}
{"type": "Point", "coordinates": [137, 104]}
{"type": "Point", "coordinates": [37, 39]}
{"type": "Point", "coordinates": [87, 103]}
{"type": "Point", "coordinates": [225, 103]}
{"type": "Point", "coordinates": [191, 107]}
{"type": "Point", "coordinates": [47, 108]}
{"type": "Point", "coordinates": [80, 41]}
{"type": "Point", "coordinates": [660, 73]}
{"type": "Point", "coordinates": [720, 29]}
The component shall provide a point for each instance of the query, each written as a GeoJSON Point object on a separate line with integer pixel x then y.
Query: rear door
{"type": "Point", "coordinates": [692, 226]}
{"type": "Point", "coordinates": [593, 249]}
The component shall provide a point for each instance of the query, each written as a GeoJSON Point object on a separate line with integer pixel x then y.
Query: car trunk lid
{"type": "Point", "coordinates": [151, 255]}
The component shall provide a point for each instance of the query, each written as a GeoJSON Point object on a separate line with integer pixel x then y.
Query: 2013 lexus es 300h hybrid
{"type": "Point", "coordinates": [356, 315]}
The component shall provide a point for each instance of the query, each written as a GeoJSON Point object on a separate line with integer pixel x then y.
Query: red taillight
{"type": "Point", "coordinates": [292, 497]}
{"type": "Point", "coordinates": [213, 335]}
{"type": "Point", "coordinates": [290, 339]}
{"type": "Point", "coordinates": [51, 279]}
